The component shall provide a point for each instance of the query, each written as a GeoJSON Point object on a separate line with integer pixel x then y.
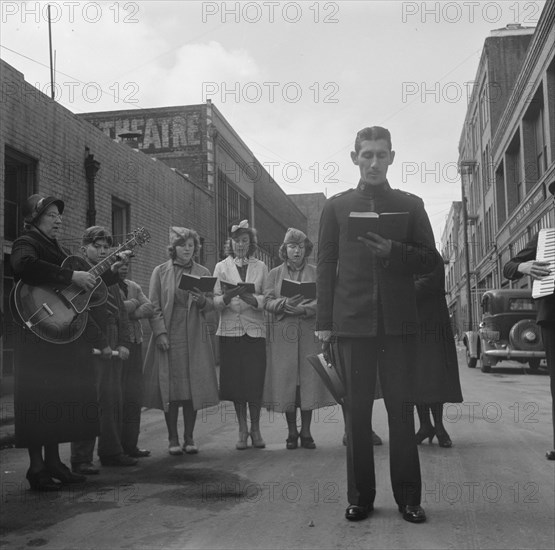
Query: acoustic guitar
{"type": "Point", "coordinates": [58, 314]}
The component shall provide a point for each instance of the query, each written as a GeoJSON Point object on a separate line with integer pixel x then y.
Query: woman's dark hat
{"type": "Point", "coordinates": [35, 206]}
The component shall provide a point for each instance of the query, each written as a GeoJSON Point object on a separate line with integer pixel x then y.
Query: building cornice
{"type": "Point", "coordinates": [545, 31]}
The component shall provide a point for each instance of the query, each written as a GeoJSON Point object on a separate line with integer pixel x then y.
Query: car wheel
{"type": "Point", "coordinates": [470, 361]}
{"type": "Point", "coordinates": [534, 364]}
{"type": "Point", "coordinates": [485, 364]}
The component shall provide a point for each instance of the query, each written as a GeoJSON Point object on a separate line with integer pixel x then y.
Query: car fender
{"type": "Point", "coordinates": [471, 341]}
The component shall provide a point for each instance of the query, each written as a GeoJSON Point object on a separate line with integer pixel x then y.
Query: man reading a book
{"type": "Point", "coordinates": [366, 302]}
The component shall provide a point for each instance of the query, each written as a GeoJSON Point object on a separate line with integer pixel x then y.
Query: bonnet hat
{"type": "Point", "coordinates": [36, 204]}
{"type": "Point", "coordinates": [178, 234]}
{"type": "Point", "coordinates": [294, 236]}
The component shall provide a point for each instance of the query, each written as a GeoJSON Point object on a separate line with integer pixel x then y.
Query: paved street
{"type": "Point", "coordinates": [493, 489]}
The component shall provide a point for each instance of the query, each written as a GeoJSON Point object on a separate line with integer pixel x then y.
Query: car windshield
{"type": "Point", "coordinates": [521, 304]}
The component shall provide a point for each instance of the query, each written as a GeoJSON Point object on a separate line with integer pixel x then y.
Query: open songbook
{"type": "Point", "coordinates": [226, 285]}
{"type": "Point", "coordinates": [204, 283]}
{"type": "Point", "coordinates": [291, 288]}
{"type": "Point", "coordinates": [390, 225]}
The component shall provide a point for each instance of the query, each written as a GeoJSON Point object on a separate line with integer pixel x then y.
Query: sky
{"type": "Point", "coordinates": [296, 80]}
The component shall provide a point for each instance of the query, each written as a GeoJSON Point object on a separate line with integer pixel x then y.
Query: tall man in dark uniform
{"type": "Point", "coordinates": [524, 264]}
{"type": "Point", "coordinates": [366, 301]}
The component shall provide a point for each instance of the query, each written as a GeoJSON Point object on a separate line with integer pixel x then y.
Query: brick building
{"type": "Point", "coordinates": [45, 148]}
{"type": "Point", "coordinates": [197, 140]}
{"type": "Point", "coordinates": [311, 204]}
{"type": "Point", "coordinates": [506, 158]}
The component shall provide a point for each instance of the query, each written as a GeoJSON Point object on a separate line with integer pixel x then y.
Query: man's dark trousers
{"type": "Point", "coordinates": [548, 337]}
{"type": "Point", "coordinates": [360, 360]}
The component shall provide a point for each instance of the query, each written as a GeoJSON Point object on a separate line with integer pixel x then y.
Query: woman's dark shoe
{"type": "Point", "coordinates": [41, 481]}
{"type": "Point", "coordinates": [443, 438]}
{"type": "Point", "coordinates": [85, 468]}
{"type": "Point", "coordinates": [425, 432]}
{"type": "Point", "coordinates": [358, 513]}
{"type": "Point", "coordinates": [307, 442]}
{"type": "Point", "coordinates": [292, 442]}
{"type": "Point", "coordinates": [413, 514]}
{"type": "Point", "coordinates": [64, 474]}
{"type": "Point", "coordinates": [550, 455]}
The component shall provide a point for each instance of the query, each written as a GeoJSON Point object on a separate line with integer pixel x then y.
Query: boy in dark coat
{"type": "Point", "coordinates": [112, 335]}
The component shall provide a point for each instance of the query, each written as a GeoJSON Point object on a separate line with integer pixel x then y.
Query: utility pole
{"type": "Point", "coordinates": [465, 169]}
{"type": "Point", "coordinates": [52, 91]}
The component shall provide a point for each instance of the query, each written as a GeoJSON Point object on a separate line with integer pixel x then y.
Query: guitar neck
{"type": "Point", "coordinates": [107, 262]}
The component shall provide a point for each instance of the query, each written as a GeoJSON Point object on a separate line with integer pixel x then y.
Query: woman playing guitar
{"type": "Point", "coordinates": [54, 386]}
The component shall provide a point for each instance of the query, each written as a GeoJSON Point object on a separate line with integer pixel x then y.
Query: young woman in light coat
{"type": "Point", "coordinates": [291, 382]}
{"type": "Point", "coordinates": [242, 331]}
{"type": "Point", "coordinates": [179, 365]}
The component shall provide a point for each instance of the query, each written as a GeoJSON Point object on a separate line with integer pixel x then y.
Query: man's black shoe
{"type": "Point", "coordinates": [357, 513]}
{"type": "Point", "coordinates": [414, 514]}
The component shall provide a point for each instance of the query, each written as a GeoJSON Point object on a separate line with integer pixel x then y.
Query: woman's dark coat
{"type": "Point", "coordinates": [437, 370]}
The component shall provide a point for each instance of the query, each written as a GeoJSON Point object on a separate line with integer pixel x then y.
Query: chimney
{"type": "Point", "coordinates": [132, 139]}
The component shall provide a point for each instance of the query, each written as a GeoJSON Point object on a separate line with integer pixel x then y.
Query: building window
{"type": "Point", "coordinates": [233, 206]}
{"type": "Point", "coordinates": [484, 111]}
{"type": "Point", "coordinates": [19, 183]}
{"type": "Point", "coordinates": [514, 177]}
{"type": "Point", "coordinates": [540, 142]}
{"type": "Point", "coordinates": [120, 220]}
{"type": "Point", "coordinates": [486, 169]}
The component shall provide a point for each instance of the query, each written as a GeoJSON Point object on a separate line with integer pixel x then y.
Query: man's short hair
{"type": "Point", "coordinates": [372, 133]}
{"type": "Point", "coordinates": [95, 233]}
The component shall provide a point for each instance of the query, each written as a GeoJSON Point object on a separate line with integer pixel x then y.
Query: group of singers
{"type": "Point", "coordinates": [377, 300]}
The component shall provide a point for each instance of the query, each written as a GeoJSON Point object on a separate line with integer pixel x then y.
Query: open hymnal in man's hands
{"type": "Point", "coordinates": [389, 225]}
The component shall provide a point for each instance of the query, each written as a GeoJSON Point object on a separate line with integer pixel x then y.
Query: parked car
{"type": "Point", "coordinates": [508, 330]}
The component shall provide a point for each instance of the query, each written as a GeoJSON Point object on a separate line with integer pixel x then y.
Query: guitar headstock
{"type": "Point", "coordinates": [140, 236]}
